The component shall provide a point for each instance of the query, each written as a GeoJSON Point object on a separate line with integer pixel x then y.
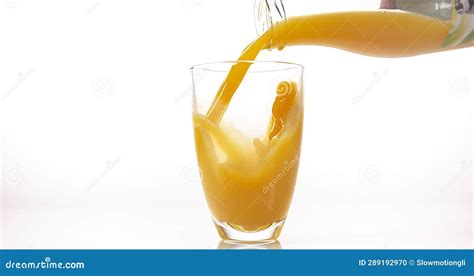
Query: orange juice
{"type": "Point", "coordinates": [376, 33]}
{"type": "Point", "coordinates": [249, 181]}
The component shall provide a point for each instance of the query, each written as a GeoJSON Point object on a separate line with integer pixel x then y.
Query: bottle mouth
{"type": "Point", "coordinates": [268, 13]}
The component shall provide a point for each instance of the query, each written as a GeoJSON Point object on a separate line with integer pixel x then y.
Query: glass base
{"type": "Point", "coordinates": [231, 235]}
{"type": "Point", "coordinates": [249, 246]}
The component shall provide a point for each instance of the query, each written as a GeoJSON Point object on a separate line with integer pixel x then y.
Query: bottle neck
{"type": "Point", "coordinates": [267, 14]}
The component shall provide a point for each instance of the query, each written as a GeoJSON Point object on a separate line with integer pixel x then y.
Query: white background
{"type": "Point", "coordinates": [96, 135]}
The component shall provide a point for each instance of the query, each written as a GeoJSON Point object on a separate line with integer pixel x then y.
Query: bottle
{"type": "Point", "coordinates": [383, 28]}
{"type": "Point", "coordinates": [387, 28]}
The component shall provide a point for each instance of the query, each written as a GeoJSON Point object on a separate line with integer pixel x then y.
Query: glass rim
{"type": "Point", "coordinates": [281, 66]}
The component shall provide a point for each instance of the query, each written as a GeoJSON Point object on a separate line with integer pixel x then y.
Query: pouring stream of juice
{"type": "Point", "coordinates": [382, 33]}
{"type": "Point", "coordinates": [253, 178]}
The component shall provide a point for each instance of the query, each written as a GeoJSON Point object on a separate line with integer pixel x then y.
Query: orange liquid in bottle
{"type": "Point", "coordinates": [235, 174]}
{"type": "Point", "coordinates": [376, 33]}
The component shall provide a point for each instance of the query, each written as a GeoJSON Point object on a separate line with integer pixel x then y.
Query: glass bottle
{"type": "Point", "coordinates": [388, 28]}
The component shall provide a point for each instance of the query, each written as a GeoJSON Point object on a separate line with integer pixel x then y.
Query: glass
{"type": "Point", "coordinates": [249, 159]}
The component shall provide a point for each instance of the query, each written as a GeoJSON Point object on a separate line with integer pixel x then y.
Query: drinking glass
{"type": "Point", "coordinates": [248, 158]}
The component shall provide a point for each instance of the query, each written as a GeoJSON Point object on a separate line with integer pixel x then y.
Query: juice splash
{"type": "Point", "coordinates": [249, 181]}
